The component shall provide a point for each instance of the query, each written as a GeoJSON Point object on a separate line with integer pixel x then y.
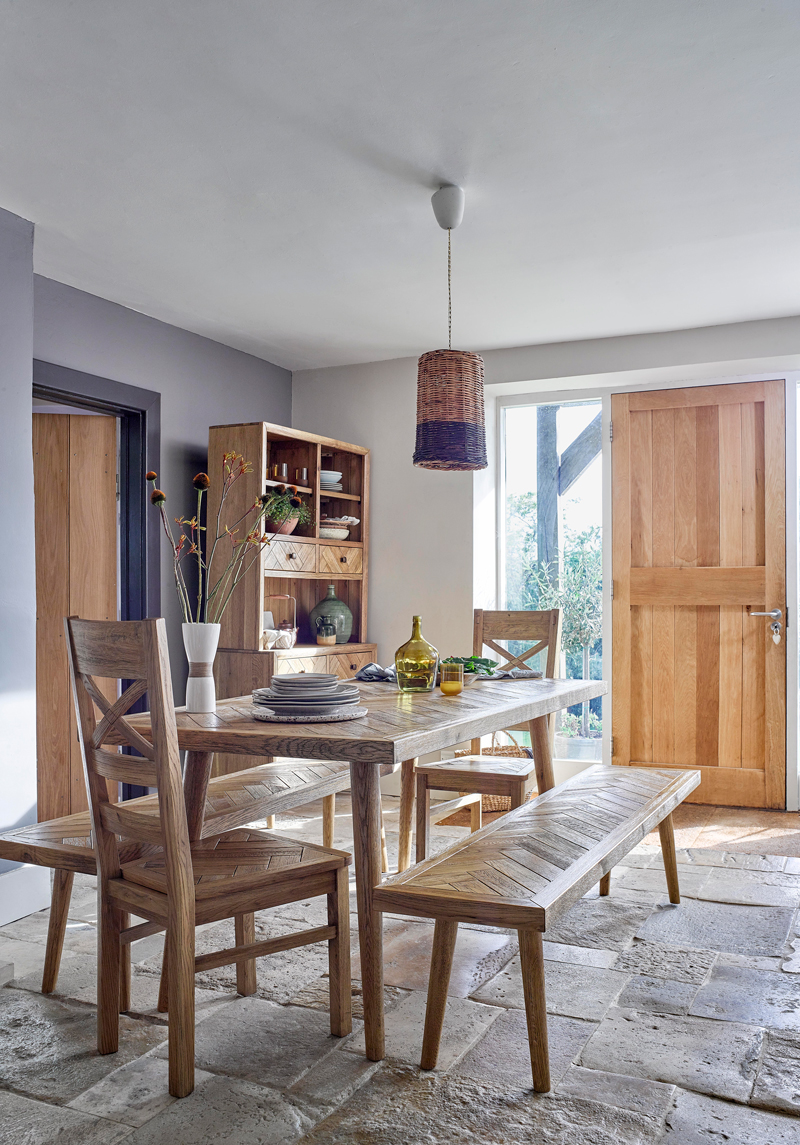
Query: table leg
{"type": "Point", "coordinates": [365, 793]}
{"type": "Point", "coordinates": [540, 742]}
{"type": "Point", "coordinates": [406, 813]}
{"type": "Point", "coordinates": [195, 787]}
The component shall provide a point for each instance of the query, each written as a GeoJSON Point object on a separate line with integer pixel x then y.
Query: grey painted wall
{"type": "Point", "coordinates": [201, 383]}
{"type": "Point", "coordinates": [18, 583]}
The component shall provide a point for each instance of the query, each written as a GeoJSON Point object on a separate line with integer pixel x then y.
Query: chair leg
{"type": "Point", "coordinates": [245, 932]}
{"type": "Point", "coordinates": [605, 884]}
{"type": "Point", "coordinates": [108, 974]}
{"type": "Point", "coordinates": [59, 911]}
{"type": "Point", "coordinates": [162, 1006]}
{"type": "Point", "coordinates": [532, 964]}
{"type": "Point", "coordinates": [406, 813]}
{"type": "Point", "coordinates": [328, 819]}
{"type": "Point", "coordinates": [517, 794]}
{"type": "Point", "coordinates": [476, 814]}
{"type": "Point", "coordinates": [384, 852]}
{"type": "Point", "coordinates": [339, 956]}
{"type": "Point", "coordinates": [180, 971]}
{"type": "Point", "coordinates": [125, 969]}
{"type": "Point", "coordinates": [270, 822]}
{"type": "Point", "coordinates": [423, 817]}
{"type": "Point", "coordinates": [444, 941]}
{"type": "Point", "coordinates": [667, 836]}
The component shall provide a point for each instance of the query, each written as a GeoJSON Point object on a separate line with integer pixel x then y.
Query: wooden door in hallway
{"type": "Point", "coordinates": [699, 544]}
{"type": "Point", "coordinates": [75, 488]}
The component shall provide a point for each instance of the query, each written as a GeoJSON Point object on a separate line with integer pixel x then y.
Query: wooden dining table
{"type": "Point", "coordinates": [398, 728]}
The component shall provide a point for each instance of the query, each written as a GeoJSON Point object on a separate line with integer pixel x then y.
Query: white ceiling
{"type": "Point", "coordinates": [260, 171]}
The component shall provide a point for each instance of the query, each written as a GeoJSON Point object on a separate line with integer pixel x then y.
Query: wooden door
{"type": "Point", "coordinates": [74, 471]}
{"type": "Point", "coordinates": [698, 490]}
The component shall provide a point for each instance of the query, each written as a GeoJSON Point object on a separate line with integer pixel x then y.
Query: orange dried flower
{"type": "Point", "coordinates": [157, 497]}
{"type": "Point", "coordinates": [201, 481]}
{"type": "Point", "coordinates": [150, 475]}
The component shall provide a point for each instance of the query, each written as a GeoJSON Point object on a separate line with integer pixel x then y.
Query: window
{"type": "Point", "coordinates": [551, 543]}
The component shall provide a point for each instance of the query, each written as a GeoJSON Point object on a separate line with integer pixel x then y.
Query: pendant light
{"type": "Point", "coordinates": [450, 423]}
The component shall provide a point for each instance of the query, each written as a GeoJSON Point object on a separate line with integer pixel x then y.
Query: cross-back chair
{"type": "Point", "coordinates": [476, 775]}
{"type": "Point", "coordinates": [176, 885]}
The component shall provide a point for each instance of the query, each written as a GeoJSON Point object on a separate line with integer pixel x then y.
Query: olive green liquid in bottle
{"type": "Point", "coordinates": [416, 662]}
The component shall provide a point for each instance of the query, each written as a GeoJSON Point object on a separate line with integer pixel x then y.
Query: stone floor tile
{"type": "Point", "coordinates": [757, 997]}
{"type": "Point", "coordinates": [778, 1081]}
{"type": "Point", "coordinates": [227, 1111]}
{"type": "Point", "coordinates": [599, 922]}
{"type": "Point", "coordinates": [752, 888]}
{"type": "Point", "coordinates": [402, 1106]}
{"type": "Point", "coordinates": [333, 1080]}
{"type": "Point", "coordinates": [27, 957]}
{"type": "Point", "coordinates": [720, 1058]}
{"type": "Point", "coordinates": [478, 956]}
{"type": "Point", "coordinates": [572, 990]}
{"type": "Point", "coordinates": [582, 955]}
{"type": "Point", "coordinates": [676, 963]}
{"type": "Point", "coordinates": [465, 1022]}
{"type": "Point", "coordinates": [735, 860]}
{"type": "Point", "coordinates": [133, 1093]}
{"type": "Point", "coordinates": [316, 995]}
{"type": "Point", "coordinates": [751, 961]}
{"type": "Point", "coordinates": [691, 879]}
{"type": "Point", "coordinates": [651, 1098]}
{"type": "Point", "coordinates": [719, 926]}
{"type": "Point", "coordinates": [50, 1046]}
{"type": "Point", "coordinates": [502, 1057]}
{"type": "Point", "coordinates": [6, 973]}
{"type": "Point", "coordinates": [688, 820]}
{"type": "Point", "coordinates": [80, 937]}
{"type": "Point", "coordinates": [659, 995]}
{"type": "Point", "coordinates": [699, 1120]}
{"type": "Point", "coordinates": [28, 1122]}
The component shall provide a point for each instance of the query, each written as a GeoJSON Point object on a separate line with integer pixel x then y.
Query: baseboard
{"type": "Point", "coordinates": [23, 891]}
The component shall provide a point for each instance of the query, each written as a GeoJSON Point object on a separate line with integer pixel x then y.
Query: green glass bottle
{"type": "Point", "coordinates": [416, 662]}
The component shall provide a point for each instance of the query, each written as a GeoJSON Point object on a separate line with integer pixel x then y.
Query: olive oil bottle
{"type": "Point", "coordinates": [416, 662]}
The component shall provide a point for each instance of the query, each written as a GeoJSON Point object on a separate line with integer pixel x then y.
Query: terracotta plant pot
{"type": "Point", "coordinates": [287, 526]}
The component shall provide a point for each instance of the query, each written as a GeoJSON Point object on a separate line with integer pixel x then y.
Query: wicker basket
{"type": "Point", "coordinates": [450, 420]}
{"type": "Point", "coordinates": [501, 802]}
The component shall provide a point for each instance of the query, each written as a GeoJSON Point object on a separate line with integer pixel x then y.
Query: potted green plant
{"type": "Point", "coordinates": [284, 510]}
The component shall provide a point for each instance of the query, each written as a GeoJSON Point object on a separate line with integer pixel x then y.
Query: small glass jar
{"type": "Point", "coordinates": [451, 679]}
{"type": "Point", "coordinates": [416, 662]}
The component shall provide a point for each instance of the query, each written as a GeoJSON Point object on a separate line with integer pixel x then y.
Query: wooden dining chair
{"type": "Point", "coordinates": [475, 774]}
{"type": "Point", "coordinates": [176, 885]}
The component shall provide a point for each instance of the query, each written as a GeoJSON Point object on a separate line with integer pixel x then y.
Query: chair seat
{"type": "Point", "coordinates": [64, 843]}
{"type": "Point", "coordinates": [239, 860]}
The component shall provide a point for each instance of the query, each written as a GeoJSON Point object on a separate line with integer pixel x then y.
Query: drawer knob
{"type": "Point", "coordinates": [353, 666]}
{"type": "Point", "coordinates": [343, 560]}
{"type": "Point", "coordinates": [290, 556]}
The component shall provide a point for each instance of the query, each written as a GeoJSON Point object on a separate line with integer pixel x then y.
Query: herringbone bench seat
{"type": "Point", "coordinates": [527, 868]}
{"type": "Point", "coordinates": [232, 801]}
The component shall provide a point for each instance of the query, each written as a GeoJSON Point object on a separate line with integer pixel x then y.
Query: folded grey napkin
{"type": "Point", "coordinates": [516, 674]}
{"type": "Point", "coordinates": [373, 673]}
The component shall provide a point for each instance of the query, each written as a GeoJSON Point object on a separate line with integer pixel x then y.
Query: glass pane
{"type": "Point", "coordinates": [552, 545]}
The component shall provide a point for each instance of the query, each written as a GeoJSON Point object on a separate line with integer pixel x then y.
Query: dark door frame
{"type": "Point", "coordinates": [139, 413]}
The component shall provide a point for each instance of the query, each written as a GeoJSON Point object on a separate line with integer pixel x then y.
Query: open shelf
{"type": "Point", "coordinates": [325, 496]}
{"type": "Point", "coordinates": [269, 483]}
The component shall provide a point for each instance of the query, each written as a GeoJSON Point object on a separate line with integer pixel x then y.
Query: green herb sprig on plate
{"type": "Point", "coordinates": [479, 665]}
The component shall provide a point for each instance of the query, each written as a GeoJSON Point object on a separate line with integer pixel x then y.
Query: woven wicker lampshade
{"type": "Point", "coordinates": [450, 419]}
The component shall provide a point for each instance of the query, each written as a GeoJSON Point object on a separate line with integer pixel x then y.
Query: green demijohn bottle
{"type": "Point", "coordinates": [416, 662]}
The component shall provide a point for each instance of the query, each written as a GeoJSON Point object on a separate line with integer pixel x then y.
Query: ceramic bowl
{"type": "Point", "coordinates": [334, 534]}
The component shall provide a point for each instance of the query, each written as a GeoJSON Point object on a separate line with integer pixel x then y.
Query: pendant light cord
{"type": "Point", "coordinates": [449, 297]}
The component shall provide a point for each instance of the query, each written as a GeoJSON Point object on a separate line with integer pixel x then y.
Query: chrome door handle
{"type": "Point", "coordinates": [775, 614]}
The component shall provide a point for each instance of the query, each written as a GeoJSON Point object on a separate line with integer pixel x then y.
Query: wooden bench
{"type": "Point", "coordinates": [232, 801]}
{"type": "Point", "coordinates": [527, 868]}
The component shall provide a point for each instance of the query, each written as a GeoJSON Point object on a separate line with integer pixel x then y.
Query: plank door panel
{"type": "Point", "coordinates": [698, 486]}
{"type": "Point", "coordinates": [75, 467]}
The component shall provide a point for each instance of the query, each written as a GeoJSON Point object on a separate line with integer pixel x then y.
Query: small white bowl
{"type": "Point", "coordinates": [334, 534]}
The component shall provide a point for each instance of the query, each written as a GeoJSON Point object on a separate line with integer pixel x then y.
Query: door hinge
{"type": "Point", "coordinates": [612, 745]}
{"type": "Point", "coordinates": [118, 486]}
{"type": "Point", "coordinates": [611, 431]}
{"type": "Point", "coordinates": [612, 590]}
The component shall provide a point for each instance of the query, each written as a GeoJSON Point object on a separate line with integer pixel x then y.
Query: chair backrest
{"type": "Point", "coordinates": [541, 629]}
{"type": "Point", "coordinates": [134, 651]}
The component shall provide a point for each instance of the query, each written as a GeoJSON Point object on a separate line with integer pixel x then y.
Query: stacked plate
{"type": "Point", "coordinates": [307, 695]}
{"type": "Point", "coordinates": [330, 479]}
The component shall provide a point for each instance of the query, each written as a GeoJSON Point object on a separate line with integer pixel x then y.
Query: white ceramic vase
{"type": "Point", "coordinates": [200, 642]}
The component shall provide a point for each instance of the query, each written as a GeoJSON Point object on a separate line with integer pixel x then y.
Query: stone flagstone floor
{"type": "Point", "coordinates": [675, 1025]}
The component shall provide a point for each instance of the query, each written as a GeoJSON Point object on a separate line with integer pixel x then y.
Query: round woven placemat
{"type": "Point", "coordinates": [268, 717]}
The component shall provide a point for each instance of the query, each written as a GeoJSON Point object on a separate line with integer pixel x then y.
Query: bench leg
{"type": "Point", "coordinates": [667, 835]}
{"type": "Point", "coordinates": [339, 956]}
{"type": "Point", "coordinates": [328, 819]}
{"type": "Point", "coordinates": [605, 884]}
{"type": "Point", "coordinates": [406, 813]}
{"type": "Point", "coordinates": [476, 815]}
{"type": "Point", "coordinates": [540, 742]}
{"type": "Point", "coordinates": [423, 817]}
{"type": "Point", "coordinates": [245, 933]}
{"type": "Point", "coordinates": [444, 941]}
{"type": "Point", "coordinates": [517, 794]}
{"type": "Point", "coordinates": [532, 961]}
{"type": "Point", "coordinates": [270, 822]}
{"type": "Point", "coordinates": [56, 928]}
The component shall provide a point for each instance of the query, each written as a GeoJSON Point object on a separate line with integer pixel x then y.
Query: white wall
{"type": "Point", "coordinates": [201, 383]}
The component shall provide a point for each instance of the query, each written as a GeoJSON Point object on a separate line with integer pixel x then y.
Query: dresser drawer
{"type": "Point", "coordinates": [291, 557]}
{"type": "Point", "coordinates": [336, 560]}
{"type": "Point", "coordinates": [307, 663]}
{"type": "Point", "coordinates": [347, 664]}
